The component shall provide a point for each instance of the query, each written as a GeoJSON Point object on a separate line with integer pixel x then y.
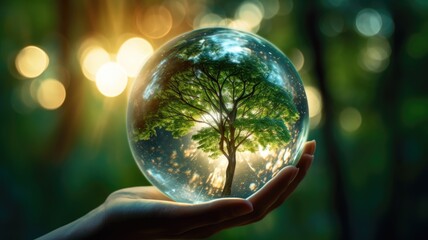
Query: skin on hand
{"type": "Point", "coordinates": [271, 196]}
{"type": "Point", "coordinates": [145, 213]}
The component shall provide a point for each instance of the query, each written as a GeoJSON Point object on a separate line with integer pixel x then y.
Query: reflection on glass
{"type": "Point", "coordinates": [216, 113]}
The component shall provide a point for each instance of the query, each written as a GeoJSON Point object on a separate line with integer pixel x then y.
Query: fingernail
{"type": "Point", "coordinates": [312, 146]}
{"type": "Point", "coordinates": [243, 209]}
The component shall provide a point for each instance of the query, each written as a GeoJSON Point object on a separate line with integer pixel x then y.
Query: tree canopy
{"type": "Point", "coordinates": [225, 99]}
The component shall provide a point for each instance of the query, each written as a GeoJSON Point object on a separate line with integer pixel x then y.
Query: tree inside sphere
{"type": "Point", "coordinates": [216, 113]}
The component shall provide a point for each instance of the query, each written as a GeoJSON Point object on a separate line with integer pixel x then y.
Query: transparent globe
{"type": "Point", "coordinates": [216, 113]}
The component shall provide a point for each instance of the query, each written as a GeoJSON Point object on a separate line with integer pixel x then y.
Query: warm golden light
{"type": "Point", "coordinates": [51, 94]}
{"type": "Point", "coordinates": [111, 79]}
{"type": "Point", "coordinates": [132, 55]}
{"type": "Point", "coordinates": [31, 61]}
{"type": "Point", "coordinates": [264, 152]}
{"type": "Point", "coordinates": [251, 13]}
{"type": "Point", "coordinates": [297, 58]}
{"type": "Point", "coordinates": [315, 105]}
{"type": "Point", "coordinates": [92, 59]}
{"type": "Point", "coordinates": [208, 20]}
{"type": "Point", "coordinates": [240, 25]}
{"type": "Point", "coordinates": [155, 22]}
{"type": "Point", "coordinates": [350, 119]}
{"type": "Point", "coordinates": [375, 56]}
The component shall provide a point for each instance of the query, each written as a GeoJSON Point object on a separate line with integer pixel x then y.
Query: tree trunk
{"type": "Point", "coordinates": [230, 172]}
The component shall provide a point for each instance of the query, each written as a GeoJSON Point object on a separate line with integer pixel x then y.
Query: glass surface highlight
{"type": "Point", "coordinates": [216, 113]}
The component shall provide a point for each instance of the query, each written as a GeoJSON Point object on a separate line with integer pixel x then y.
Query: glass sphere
{"type": "Point", "coordinates": [216, 113]}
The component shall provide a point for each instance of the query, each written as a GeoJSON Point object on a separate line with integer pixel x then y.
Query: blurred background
{"type": "Point", "coordinates": [66, 68]}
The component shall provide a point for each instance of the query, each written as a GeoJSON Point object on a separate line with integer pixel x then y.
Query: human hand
{"type": "Point", "coordinates": [145, 213]}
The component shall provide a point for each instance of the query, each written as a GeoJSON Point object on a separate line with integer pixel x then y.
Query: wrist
{"type": "Point", "coordinates": [85, 227]}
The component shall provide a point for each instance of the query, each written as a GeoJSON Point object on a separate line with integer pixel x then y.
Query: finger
{"type": "Point", "coordinates": [309, 147]}
{"type": "Point", "coordinates": [170, 219]}
{"type": "Point", "coordinates": [183, 218]}
{"type": "Point", "coordinates": [284, 192]}
{"type": "Point", "coordinates": [268, 194]}
{"type": "Point", "coordinates": [262, 203]}
{"type": "Point", "coordinates": [304, 164]}
{"type": "Point", "coordinates": [266, 197]}
{"type": "Point", "coordinates": [149, 192]}
{"type": "Point", "coordinates": [261, 200]}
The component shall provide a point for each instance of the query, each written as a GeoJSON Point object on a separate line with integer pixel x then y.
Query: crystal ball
{"type": "Point", "coordinates": [216, 113]}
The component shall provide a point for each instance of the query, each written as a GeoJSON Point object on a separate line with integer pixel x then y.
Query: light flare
{"type": "Point", "coordinates": [92, 59]}
{"type": "Point", "coordinates": [51, 94]}
{"type": "Point", "coordinates": [31, 61]}
{"type": "Point", "coordinates": [111, 79]}
{"type": "Point", "coordinates": [132, 55]}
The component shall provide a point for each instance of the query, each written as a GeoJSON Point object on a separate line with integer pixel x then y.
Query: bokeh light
{"type": "Point", "coordinates": [177, 10]}
{"type": "Point", "coordinates": [298, 59]}
{"type": "Point", "coordinates": [315, 105]}
{"type": "Point", "coordinates": [375, 56]}
{"type": "Point", "coordinates": [250, 13]}
{"type": "Point", "coordinates": [271, 8]}
{"type": "Point", "coordinates": [92, 59]}
{"type": "Point", "coordinates": [51, 94]}
{"type": "Point", "coordinates": [248, 16]}
{"type": "Point", "coordinates": [207, 20]}
{"type": "Point", "coordinates": [388, 25]}
{"type": "Point", "coordinates": [132, 55]}
{"type": "Point", "coordinates": [111, 79]}
{"type": "Point", "coordinates": [155, 22]}
{"type": "Point", "coordinates": [350, 119]}
{"type": "Point", "coordinates": [368, 22]}
{"type": "Point", "coordinates": [31, 61]}
{"type": "Point", "coordinates": [242, 25]}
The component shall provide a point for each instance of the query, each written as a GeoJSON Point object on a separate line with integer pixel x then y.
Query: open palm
{"type": "Point", "coordinates": [145, 213]}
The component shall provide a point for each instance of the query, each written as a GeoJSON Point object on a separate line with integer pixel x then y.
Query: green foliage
{"type": "Point", "coordinates": [225, 99]}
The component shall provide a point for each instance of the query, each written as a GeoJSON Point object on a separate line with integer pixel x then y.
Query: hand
{"type": "Point", "coordinates": [145, 213]}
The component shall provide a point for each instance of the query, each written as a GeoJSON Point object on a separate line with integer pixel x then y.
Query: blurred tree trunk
{"type": "Point", "coordinates": [70, 111]}
{"type": "Point", "coordinates": [389, 95]}
{"type": "Point", "coordinates": [340, 203]}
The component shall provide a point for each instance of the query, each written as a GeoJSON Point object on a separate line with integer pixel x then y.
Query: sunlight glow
{"type": "Point", "coordinates": [297, 58]}
{"type": "Point", "coordinates": [111, 79]}
{"type": "Point", "coordinates": [92, 59]}
{"type": "Point", "coordinates": [51, 94]}
{"type": "Point", "coordinates": [132, 55]}
{"type": "Point", "coordinates": [250, 13]}
{"type": "Point", "coordinates": [315, 105]}
{"type": "Point", "coordinates": [155, 22]}
{"type": "Point", "coordinates": [264, 152]}
{"type": "Point", "coordinates": [208, 20]}
{"type": "Point", "coordinates": [31, 61]}
{"type": "Point", "coordinates": [247, 17]}
{"type": "Point", "coordinates": [216, 179]}
{"type": "Point", "coordinates": [240, 24]}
